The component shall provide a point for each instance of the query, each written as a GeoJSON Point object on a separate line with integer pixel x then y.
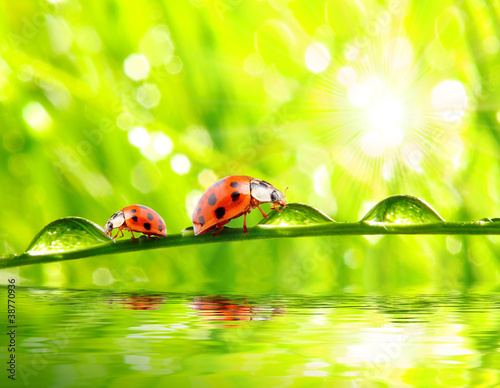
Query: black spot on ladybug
{"type": "Point", "coordinates": [234, 184]}
{"type": "Point", "coordinates": [212, 200]}
{"type": "Point", "coordinates": [199, 210]}
{"type": "Point", "coordinates": [219, 212]}
{"type": "Point", "coordinates": [220, 182]}
{"type": "Point", "coordinates": [235, 195]}
{"type": "Point", "coordinates": [160, 227]}
{"type": "Point", "coordinates": [147, 226]}
{"type": "Point", "coordinates": [201, 220]}
{"type": "Point", "coordinates": [143, 207]}
{"type": "Point", "coordinates": [133, 211]}
{"type": "Point", "coordinates": [134, 218]}
{"type": "Point", "coordinates": [150, 217]}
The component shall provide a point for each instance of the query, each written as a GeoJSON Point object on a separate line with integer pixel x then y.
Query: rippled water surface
{"type": "Point", "coordinates": [93, 338]}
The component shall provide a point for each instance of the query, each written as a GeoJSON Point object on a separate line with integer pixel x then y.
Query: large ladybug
{"type": "Point", "coordinates": [231, 197]}
{"type": "Point", "coordinates": [136, 218]}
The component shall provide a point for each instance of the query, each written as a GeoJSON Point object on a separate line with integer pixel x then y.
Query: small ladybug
{"type": "Point", "coordinates": [136, 218]}
{"type": "Point", "coordinates": [231, 197]}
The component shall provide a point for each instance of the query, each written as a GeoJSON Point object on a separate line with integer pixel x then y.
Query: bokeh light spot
{"type": "Point", "coordinates": [254, 64]}
{"type": "Point", "coordinates": [192, 200]}
{"type": "Point", "coordinates": [37, 117]}
{"type": "Point", "coordinates": [138, 137]}
{"type": "Point", "coordinates": [159, 146]}
{"type": "Point", "coordinates": [449, 100]}
{"type": "Point", "coordinates": [157, 46]}
{"type": "Point", "coordinates": [102, 277]}
{"type": "Point", "coordinates": [136, 67]}
{"type": "Point", "coordinates": [60, 35]}
{"type": "Point", "coordinates": [174, 66]}
{"type": "Point", "coordinates": [162, 144]}
{"type": "Point", "coordinates": [148, 95]}
{"type": "Point", "coordinates": [198, 139]}
{"type": "Point", "coordinates": [180, 164]}
{"type": "Point", "coordinates": [491, 44]}
{"type": "Point", "coordinates": [321, 178]}
{"type": "Point", "coordinates": [25, 73]}
{"type": "Point", "coordinates": [317, 57]}
{"type": "Point", "coordinates": [206, 178]}
{"type": "Point", "coordinates": [125, 121]}
{"type": "Point", "coordinates": [315, 373]}
{"type": "Point", "coordinates": [88, 40]}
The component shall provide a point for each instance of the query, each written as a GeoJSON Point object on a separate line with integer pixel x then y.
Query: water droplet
{"type": "Point", "coordinates": [486, 220]}
{"type": "Point", "coordinates": [189, 231]}
{"type": "Point", "coordinates": [296, 214]}
{"type": "Point", "coordinates": [403, 209]}
{"type": "Point", "coordinates": [67, 234]}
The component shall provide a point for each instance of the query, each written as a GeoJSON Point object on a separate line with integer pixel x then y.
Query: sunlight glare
{"type": "Point", "coordinates": [386, 118]}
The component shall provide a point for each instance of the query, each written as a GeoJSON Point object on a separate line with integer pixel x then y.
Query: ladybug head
{"type": "Point", "coordinates": [108, 228]}
{"type": "Point", "coordinates": [115, 221]}
{"type": "Point", "coordinates": [265, 192]}
{"type": "Point", "coordinates": [278, 198]}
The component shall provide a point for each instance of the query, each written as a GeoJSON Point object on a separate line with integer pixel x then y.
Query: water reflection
{"type": "Point", "coordinates": [220, 308]}
{"type": "Point", "coordinates": [415, 340]}
{"type": "Point", "coordinates": [138, 301]}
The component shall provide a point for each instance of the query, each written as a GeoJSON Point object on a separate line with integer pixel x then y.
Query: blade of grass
{"type": "Point", "coordinates": [261, 232]}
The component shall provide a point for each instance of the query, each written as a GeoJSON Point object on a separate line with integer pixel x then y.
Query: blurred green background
{"type": "Point", "coordinates": [109, 103]}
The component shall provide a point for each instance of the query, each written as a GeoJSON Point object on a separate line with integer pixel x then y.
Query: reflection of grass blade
{"type": "Point", "coordinates": [263, 232]}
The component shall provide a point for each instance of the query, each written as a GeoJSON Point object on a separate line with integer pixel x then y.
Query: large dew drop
{"type": "Point", "coordinates": [296, 214]}
{"type": "Point", "coordinates": [67, 234]}
{"type": "Point", "coordinates": [403, 209]}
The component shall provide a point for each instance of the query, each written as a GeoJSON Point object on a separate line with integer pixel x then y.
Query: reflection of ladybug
{"type": "Point", "coordinates": [144, 302]}
{"type": "Point", "coordinates": [232, 197]}
{"type": "Point", "coordinates": [138, 302]}
{"type": "Point", "coordinates": [219, 308]}
{"type": "Point", "coordinates": [136, 218]}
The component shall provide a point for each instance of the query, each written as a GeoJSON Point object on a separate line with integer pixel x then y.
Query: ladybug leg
{"type": "Point", "coordinates": [117, 233]}
{"type": "Point", "coordinates": [262, 212]}
{"type": "Point", "coordinates": [133, 237]}
{"type": "Point", "coordinates": [245, 230]}
{"type": "Point", "coordinates": [216, 232]}
{"type": "Point", "coordinates": [276, 207]}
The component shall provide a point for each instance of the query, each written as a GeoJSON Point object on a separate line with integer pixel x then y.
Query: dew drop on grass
{"type": "Point", "coordinates": [67, 234]}
{"type": "Point", "coordinates": [296, 214]}
{"type": "Point", "coordinates": [189, 231]}
{"type": "Point", "coordinates": [403, 209]}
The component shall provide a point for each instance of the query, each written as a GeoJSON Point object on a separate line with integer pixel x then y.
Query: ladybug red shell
{"type": "Point", "coordinates": [136, 218]}
{"type": "Point", "coordinates": [232, 197]}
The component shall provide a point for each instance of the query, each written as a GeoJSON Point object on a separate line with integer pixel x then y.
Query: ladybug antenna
{"type": "Point", "coordinates": [284, 194]}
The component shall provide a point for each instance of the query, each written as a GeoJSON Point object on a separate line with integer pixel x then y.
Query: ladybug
{"type": "Point", "coordinates": [232, 197]}
{"type": "Point", "coordinates": [136, 218]}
